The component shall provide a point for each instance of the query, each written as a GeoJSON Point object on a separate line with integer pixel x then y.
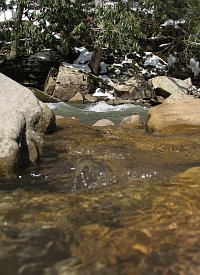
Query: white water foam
{"type": "Point", "coordinates": [54, 106]}
{"type": "Point", "coordinates": [89, 114]}
{"type": "Point", "coordinates": [51, 106]}
{"type": "Point", "coordinates": [99, 107]}
{"type": "Point", "coordinates": [104, 107]}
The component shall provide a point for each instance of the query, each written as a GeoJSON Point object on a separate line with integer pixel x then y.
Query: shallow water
{"type": "Point", "coordinates": [88, 114]}
{"type": "Point", "coordinates": [104, 201]}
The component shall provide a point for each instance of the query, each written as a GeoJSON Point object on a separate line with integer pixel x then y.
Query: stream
{"type": "Point", "coordinates": [88, 114]}
{"type": "Point", "coordinates": [104, 201]}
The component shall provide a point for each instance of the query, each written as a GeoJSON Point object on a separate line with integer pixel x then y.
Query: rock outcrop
{"type": "Point", "coordinates": [134, 88]}
{"type": "Point", "coordinates": [70, 81]}
{"type": "Point", "coordinates": [168, 86]}
{"type": "Point", "coordinates": [23, 122]}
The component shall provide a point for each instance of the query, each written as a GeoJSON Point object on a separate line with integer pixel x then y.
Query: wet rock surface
{"type": "Point", "coordinates": [104, 201]}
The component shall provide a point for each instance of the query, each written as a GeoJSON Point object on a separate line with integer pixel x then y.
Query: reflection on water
{"type": "Point", "coordinates": [104, 201]}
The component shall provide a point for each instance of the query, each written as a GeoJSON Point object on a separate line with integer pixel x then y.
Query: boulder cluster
{"type": "Point", "coordinates": [173, 107]}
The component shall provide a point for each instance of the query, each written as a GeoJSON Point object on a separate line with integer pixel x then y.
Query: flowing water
{"type": "Point", "coordinates": [90, 113]}
{"type": "Point", "coordinates": [104, 201]}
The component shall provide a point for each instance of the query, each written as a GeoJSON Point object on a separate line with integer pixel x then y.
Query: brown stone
{"type": "Point", "coordinates": [77, 98]}
{"type": "Point", "coordinates": [69, 82]}
{"type": "Point", "coordinates": [103, 122]}
{"type": "Point", "coordinates": [131, 122]}
{"type": "Point", "coordinates": [135, 88]}
{"type": "Point", "coordinates": [49, 85]}
{"type": "Point", "coordinates": [184, 113]}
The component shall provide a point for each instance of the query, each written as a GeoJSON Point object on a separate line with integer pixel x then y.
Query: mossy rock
{"type": "Point", "coordinates": [44, 97]}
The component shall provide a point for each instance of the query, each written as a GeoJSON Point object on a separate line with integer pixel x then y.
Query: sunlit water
{"type": "Point", "coordinates": [90, 113]}
{"type": "Point", "coordinates": [104, 201]}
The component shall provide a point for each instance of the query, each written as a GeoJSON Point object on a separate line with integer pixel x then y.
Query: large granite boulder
{"type": "Point", "coordinates": [70, 81]}
{"type": "Point", "coordinates": [168, 86]}
{"type": "Point", "coordinates": [177, 116]}
{"type": "Point", "coordinates": [23, 122]}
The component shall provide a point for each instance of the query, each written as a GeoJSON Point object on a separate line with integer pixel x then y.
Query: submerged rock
{"type": "Point", "coordinates": [189, 177]}
{"type": "Point", "coordinates": [103, 122]}
{"type": "Point", "coordinates": [94, 157]}
{"type": "Point", "coordinates": [131, 121]}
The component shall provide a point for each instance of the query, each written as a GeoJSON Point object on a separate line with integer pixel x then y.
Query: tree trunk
{"type": "Point", "coordinates": [17, 23]}
{"type": "Point", "coordinates": [95, 60]}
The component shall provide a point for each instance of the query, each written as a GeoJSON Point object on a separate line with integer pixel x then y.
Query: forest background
{"type": "Point", "coordinates": [101, 26]}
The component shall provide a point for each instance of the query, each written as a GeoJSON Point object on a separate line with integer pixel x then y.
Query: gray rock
{"type": "Point", "coordinates": [22, 123]}
{"type": "Point", "coordinates": [69, 82]}
{"type": "Point", "coordinates": [135, 88]}
{"type": "Point", "coordinates": [47, 120]}
{"type": "Point", "coordinates": [168, 86]}
{"type": "Point", "coordinates": [12, 127]}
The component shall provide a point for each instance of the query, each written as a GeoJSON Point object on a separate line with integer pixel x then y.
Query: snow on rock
{"type": "Point", "coordinates": [172, 60]}
{"type": "Point", "coordinates": [7, 14]}
{"type": "Point", "coordinates": [153, 65]}
{"type": "Point", "coordinates": [81, 63]}
{"type": "Point", "coordinates": [100, 93]}
{"type": "Point", "coordinates": [194, 66]}
{"type": "Point", "coordinates": [83, 68]}
{"type": "Point", "coordinates": [84, 56]}
{"type": "Point", "coordinates": [154, 61]}
{"type": "Point", "coordinates": [103, 68]}
{"type": "Point", "coordinates": [175, 23]}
